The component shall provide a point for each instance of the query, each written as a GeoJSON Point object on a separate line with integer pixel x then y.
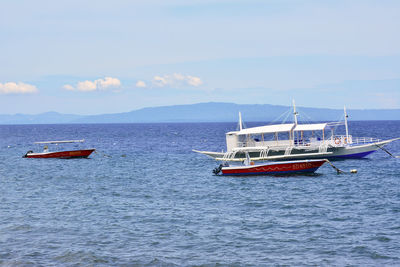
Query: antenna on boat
{"type": "Point", "coordinates": [295, 113]}
{"type": "Point", "coordinates": [345, 123]}
{"type": "Point", "coordinates": [240, 122]}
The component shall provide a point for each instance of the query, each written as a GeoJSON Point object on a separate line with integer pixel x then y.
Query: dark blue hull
{"type": "Point", "coordinates": [355, 156]}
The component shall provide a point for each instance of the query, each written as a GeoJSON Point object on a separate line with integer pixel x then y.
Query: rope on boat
{"type": "Point", "coordinates": [384, 149]}
{"type": "Point", "coordinates": [333, 166]}
{"type": "Point", "coordinates": [339, 170]}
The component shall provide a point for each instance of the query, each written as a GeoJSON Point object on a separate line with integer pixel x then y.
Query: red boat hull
{"type": "Point", "coordinates": [62, 154]}
{"type": "Point", "coordinates": [285, 167]}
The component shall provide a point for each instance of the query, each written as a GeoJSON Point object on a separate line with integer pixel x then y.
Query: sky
{"type": "Point", "coordinates": [95, 57]}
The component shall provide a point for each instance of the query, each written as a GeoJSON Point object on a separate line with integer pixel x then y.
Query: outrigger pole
{"type": "Point", "coordinates": [390, 154]}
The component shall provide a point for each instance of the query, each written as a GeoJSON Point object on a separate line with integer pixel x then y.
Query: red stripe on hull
{"type": "Point", "coordinates": [62, 154]}
{"type": "Point", "coordinates": [275, 168]}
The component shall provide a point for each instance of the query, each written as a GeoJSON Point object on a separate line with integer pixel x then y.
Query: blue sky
{"type": "Point", "coordinates": [92, 57]}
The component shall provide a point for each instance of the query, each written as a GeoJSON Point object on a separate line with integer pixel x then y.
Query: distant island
{"type": "Point", "coordinates": [204, 112]}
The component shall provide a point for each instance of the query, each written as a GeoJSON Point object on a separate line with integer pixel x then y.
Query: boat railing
{"type": "Point", "coordinates": [364, 140]}
{"type": "Point", "coordinates": [336, 141]}
{"type": "Point", "coordinates": [340, 140]}
{"type": "Point", "coordinates": [343, 140]}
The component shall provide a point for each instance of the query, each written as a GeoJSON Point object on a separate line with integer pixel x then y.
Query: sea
{"type": "Point", "coordinates": [146, 199]}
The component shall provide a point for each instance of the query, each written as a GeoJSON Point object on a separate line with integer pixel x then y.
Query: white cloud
{"type": "Point", "coordinates": [141, 84]}
{"type": "Point", "coordinates": [160, 81]}
{"type": "Point", "coordinates": [68, 87]}
{"type": "Point", "coordinates": [177, 80]}
{"type": "Point", "coordinates": [17, 88]}
{"type": "Point", "coordinates": [86, 86]}
{"type": "Point", "coordinates": [108, 82]}
{"type": "Point", "coordinates": [96, 85]}
{"type": "Point", "coordinates": [179, 77]}
{"type": "Point", "coordinates": [194, 81]}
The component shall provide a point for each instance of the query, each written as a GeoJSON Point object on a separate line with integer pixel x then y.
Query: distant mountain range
{"type": "Point", "coordinates": [205, 112]}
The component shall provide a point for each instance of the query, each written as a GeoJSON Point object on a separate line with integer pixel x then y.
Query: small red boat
{"type": "Point", "coordinates": [272, 168]}
{"type": "Point", "coordinates": [66, 154]}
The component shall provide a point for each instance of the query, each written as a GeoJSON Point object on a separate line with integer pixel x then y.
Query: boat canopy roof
{"type": "Point", "coordinates": [310, 127]}
{"type": "Point", "coordinates": [59, 142]}
{"type": "Point", "coordinates": [265, 129]}
{"type": "Point", "coordinates": [277, 128]}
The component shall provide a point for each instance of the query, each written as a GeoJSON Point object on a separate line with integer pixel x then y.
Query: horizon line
{"type": "Point", "coordinates": [176, 105]}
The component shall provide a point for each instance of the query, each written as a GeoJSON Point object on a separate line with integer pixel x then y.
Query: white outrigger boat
{"type": "Point", "coordinates": [293, 141]}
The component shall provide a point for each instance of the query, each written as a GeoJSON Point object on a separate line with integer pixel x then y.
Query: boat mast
{"type": "Point", "coordinates": [295, 113]}
{"type": "Point", "coordinates": [240, 122]}
{"type": "Point", "coordinates": [345, 123]}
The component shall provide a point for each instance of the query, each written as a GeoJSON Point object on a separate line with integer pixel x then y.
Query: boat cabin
{"type": "Point", "coordinates": [287, 135]}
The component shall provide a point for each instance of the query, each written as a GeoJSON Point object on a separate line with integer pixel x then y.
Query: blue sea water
{"type": "Point", "coordinates": [145, 199]}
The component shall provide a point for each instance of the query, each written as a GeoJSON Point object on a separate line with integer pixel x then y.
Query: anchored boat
{"type": "Point", "coordinates": [64, 154]}
{"type": "Point", "coordinates": [292, 141]}
{"type": "Point", "coordinates": [271, 168]}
